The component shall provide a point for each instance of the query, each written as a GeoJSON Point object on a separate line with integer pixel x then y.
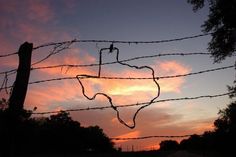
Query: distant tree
{"type": "Point", "coordinates": [193, 142]}
{"type": "Point", "coordinates": [3, 104]}
{"type": "Point", "coordinates": [97, 141]}
{"type": "Point", "coordinates": [221, 22]}
{"type": "Point", "coordinates": [57, 134]}
{"type": "Point", "coordinates": [222, 138]}
{"type": "Point", "coordinates": [66, 135]}
{"type": "Point", "coordinates": [226, 123]}
{"type": "Point", "coordinates": [232, 89]}
{"type": "Point", "coordinates": [168, 145]}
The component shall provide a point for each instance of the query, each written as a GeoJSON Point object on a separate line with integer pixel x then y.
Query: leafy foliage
{"type": "Point", "coordinates": [197, 4]}
{"type": "Point", "coordinates": [221, 138]}
{"type": "Point", "coordinates": [56, 134]}
{"type": "Point", "coordinates": [226, 123]}
{"type": "Point", "coordinates": [221, 22]}
{"type": "Point", "coordinates": [168, 145]}
{"type": "Point", "coordinates": [3, 104]}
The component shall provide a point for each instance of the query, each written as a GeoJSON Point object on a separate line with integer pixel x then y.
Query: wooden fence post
{"type": "Point", "coordinates": [16, 101]}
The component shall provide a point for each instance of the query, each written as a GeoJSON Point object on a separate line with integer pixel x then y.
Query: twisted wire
{"type": "Point", "coordinates": [109, 63]}
{"type": "Point", "coordinates": [131, 78]}
{"type": "Point", "coordinates": [152, 136]}
{"type": "Point", "coordinates": [110, 41]}
{"type": "Point", "coordinates": [135, 104]}
{"type": "Point", "coordinates": [111, 49]}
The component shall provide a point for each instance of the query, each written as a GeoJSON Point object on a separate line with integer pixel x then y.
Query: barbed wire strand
{"type": "Point", "coordinates": [111, 41]}
{"type": "Point", "coordinates": [108, 63]}
{"type": "Point", "coordinates": [9, 54]}
{"type": "Point", "coordinates": [132, 78]}
{"type": "Point", "coordinates": [122, 41]}
{"type": "Point", "coordinates": [5, 83]}
{"type": "Point", "coordinates": [124, 60]}
{"type": "Point", "coordinates": [152, 136]}
{"type": "Point", "coordinates": [135, 104]}
{"type": "Point", "coordinates": [56, 49]}
{"type": "Point", "coordinates": [165, 77]}
{"type": "Point", "coordinates": [111, 50]}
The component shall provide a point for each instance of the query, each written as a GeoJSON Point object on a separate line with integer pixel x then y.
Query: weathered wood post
{"type": "Point", "coordinates": [17, 98]}
{"type": "Point", "coordinates": [16, 101]}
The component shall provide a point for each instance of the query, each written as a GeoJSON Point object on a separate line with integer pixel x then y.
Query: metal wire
{"type": "Point", "coordinates": [109, 63]}
{"type": "Point", "coordinates": [134, 105]}
{"type": "Point", "coordinates": [110, 41]}
{"type": "Point", "coordinates": [123, 42]}
{"type": "Point", "coordinates": [111, 49]}
{"type": "Point", "coordinates": [132, 78]}
{"type": "Point", "coordinates": [9, 54]}
{"type": "Point", "coordinates": [152, 136]}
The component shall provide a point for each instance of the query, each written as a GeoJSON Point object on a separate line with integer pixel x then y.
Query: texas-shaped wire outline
{"type": "Point", "coordinates": [84, 76]}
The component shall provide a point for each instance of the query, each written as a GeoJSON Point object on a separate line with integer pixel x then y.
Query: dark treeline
{"type": "Point", "coordinates": [56, 134]}
{"type": "Point", "coordinates": [222, 139]}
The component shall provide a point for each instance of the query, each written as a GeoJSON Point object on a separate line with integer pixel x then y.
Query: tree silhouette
{"type": "Point", "coordinates": [57, 134]}
{"type": "Point", "coordinates": [225, 126]}
{"type": "Point", "coordinates": [168, 145]}
{"type": "Point", "coordinates": [221, 139]}
{"type": "Point", "coordinates": [221, 22]}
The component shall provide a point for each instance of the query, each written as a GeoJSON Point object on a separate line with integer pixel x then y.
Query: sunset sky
{"type": "Point", "coordinates": [42, 21]}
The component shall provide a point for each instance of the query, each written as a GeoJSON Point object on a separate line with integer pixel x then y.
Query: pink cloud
{"type": "Point", "coordinates": [70, 5]}
{"type": "Point", "coordinates": [8, 6]}
{"type": "Point", "coordinates": [27, 31]}
{"type": "Point", "coordinates": [170, 68]}
{"type": "Point", "coordinates": [40, 11]}
{"type": "Point", "coordinates": [5, 46]}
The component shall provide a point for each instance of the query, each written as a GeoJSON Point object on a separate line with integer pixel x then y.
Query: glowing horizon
{"type": "Point", "coordinates": [48, 21]}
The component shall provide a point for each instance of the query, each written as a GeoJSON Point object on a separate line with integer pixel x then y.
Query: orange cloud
{"type": "Point", "coordinates": [43, 96]}
{"type": "Point", "coordinates": [201, 125]}
{"type": "Point", "coordinates": [139, 90]}
{"type": "Point", "coordinates": [151, 147]}
{"type": "Point", "coordinates": [122, 91]}
{"type": "Point", "coordinates": [132, 134]}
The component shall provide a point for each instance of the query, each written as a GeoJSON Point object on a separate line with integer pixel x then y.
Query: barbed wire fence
{"type": "Point", "coordinates": [64, 44]}
{"type": "Point", "coordinates": [124, 78]}
{"type": "Point", "coordinates": [58, 47]}
{"type": "Point", "coordinates": [136, 104]}
{"type": "Point", "coordinates": [148, 137]}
